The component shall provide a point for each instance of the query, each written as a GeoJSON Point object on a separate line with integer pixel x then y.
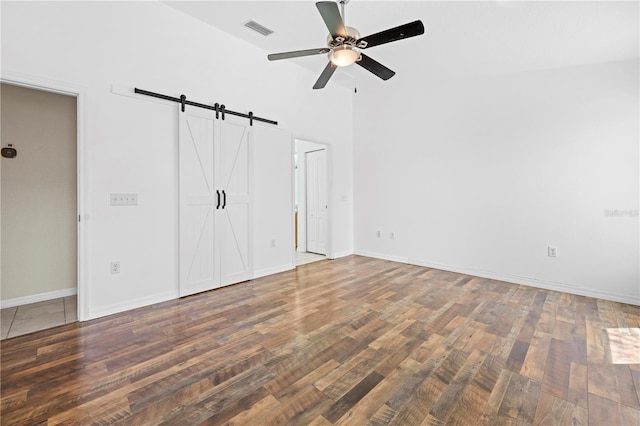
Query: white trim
{"type": "Point", "coordinates": [329, 182]}
{"type": "Point", "coordinates": [79, 92]}
{"type": "Point", "coordinates": [133, 304]}
{"type": "Point", "coordinates": [270, 271]}
{"type": "Point", "coordinates": [382, 256]}
{"type": "Point", "coordinates": [531, 282]}
{"type": "Point", "coordinates": [293, 207]}
{"type": "Point", "coordinates": [340, 254]}
{"type": "Point", "coordinates": [25, 300]}
{"type": "Point", "coordinates": [40, 83]}
{"type": "Point", "coordinates": [510, 278]}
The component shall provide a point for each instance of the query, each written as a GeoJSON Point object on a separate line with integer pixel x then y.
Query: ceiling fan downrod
{"type": "Point", "coordinates": [344, 18]}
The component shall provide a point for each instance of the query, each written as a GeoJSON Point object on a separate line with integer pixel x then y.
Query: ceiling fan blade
{"type": "Point", "coordinates": [325, 76]}
{"type": "Point", "coordinates": [331, 17]}
{"type": "Point", "coordinates": [297, 53]}
{"type": "Point", "coordinates": [411, 29]}
{"type": "Point", "coordinates": [375, 67]}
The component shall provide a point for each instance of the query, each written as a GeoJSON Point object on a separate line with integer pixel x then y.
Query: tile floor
{"type": "Point", "coordinates": [304, 258]}
{"type": "Point", "coordinates": [24, 319]}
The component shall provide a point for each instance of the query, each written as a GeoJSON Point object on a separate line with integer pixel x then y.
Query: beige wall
{"type": "Point", "coordinates": [38, 193]}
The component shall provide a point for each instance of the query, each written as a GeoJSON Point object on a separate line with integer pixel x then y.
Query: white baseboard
{"type": "Point", "coordinates": [531, 282]}
{"type": "Point", "coordinates": [510, 278]}
{"type": "Point", "coordinates": [340, 254]}
{"type": "Point", "coordinates": [270, 271]}
{"type": "Point", "coordinates": [132, 304]}
{"type": "Point", "coordinates": [25, 300]}
{"type": "Point", "coordinates": [382, 256]}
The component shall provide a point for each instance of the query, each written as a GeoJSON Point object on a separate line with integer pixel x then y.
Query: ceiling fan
{"type": "Point", "coordinates": [344, 44]}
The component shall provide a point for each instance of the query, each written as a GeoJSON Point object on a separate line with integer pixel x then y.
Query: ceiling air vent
{"type": "Point", "coordinates": [258, 28]}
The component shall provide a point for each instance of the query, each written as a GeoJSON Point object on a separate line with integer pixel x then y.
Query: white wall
{"type": "Point", "coordinates": [481, 175]}
{"type": "Point", "coordinates": [273, 200]}
{"type": "Point", "coordinates": [131, 144]}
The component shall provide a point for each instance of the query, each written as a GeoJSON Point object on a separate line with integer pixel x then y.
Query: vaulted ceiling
{"type": "Point", "coordinates": [479, 37]}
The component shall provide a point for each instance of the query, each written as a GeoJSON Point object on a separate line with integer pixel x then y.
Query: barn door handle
{"type": "Point", "coordinates": [224, 199]}
{"type": "Point", "coordinates": [217, 198]}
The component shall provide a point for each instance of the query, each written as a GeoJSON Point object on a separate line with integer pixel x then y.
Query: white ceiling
{"type": "Point", "coordinates": [480, 37]}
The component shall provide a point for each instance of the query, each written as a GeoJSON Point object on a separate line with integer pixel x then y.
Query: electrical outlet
{"type": "Point", "coordinates": [273, 243]}
{"type": "Point", "coordinates": [377, 234]}
{"type": "Point", "coordinates": [115, 267]}
{"type": "Point", "coordinates": [392, 235]}
{"type": "Point", "coordinates": [552, 251]}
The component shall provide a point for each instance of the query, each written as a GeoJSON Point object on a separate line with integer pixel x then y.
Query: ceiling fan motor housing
{"type": "Point", "coordinates": [352, 36]}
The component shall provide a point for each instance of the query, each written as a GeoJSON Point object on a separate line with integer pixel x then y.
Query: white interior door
{"type": "Point", "coordinates": [317, 202]}
{"type": "Point", "coordinates": [199, 262]}
{"type": "Point", "coordinates": [234, 181]}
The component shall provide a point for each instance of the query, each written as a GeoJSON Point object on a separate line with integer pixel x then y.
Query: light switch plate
{"type": "Point", "coordinates": [122, 199]}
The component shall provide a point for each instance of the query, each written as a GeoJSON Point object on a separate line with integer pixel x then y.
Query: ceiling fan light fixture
{"type": "Point", "coordinates": [344, 56]}
{"type": "Point", "coordinates": [344, 43]}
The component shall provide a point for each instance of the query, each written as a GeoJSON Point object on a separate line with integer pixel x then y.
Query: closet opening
{"type": "Point", "coordinates": [312, 205]}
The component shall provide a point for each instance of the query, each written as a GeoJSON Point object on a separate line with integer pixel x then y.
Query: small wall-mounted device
{"type": "Point", "coordinates": [9, 151]}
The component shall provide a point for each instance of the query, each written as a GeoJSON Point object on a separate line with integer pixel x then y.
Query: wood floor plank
{"type": "Point", "coordinates": [558, 368]}
{"type": "Point", "coordinates": [352, 397]}
{"type": "Point", "coordinates": [257, 412]}
{"type": "Point", "coordinates": [345, 381]}
{"type": "Point", "coordinates": [383, 416]}
{"type": "Point", "coordinates": [452, 396]}
{"type": "Point", "coordinates": [470, 406]}
{"type": "Point", "coordinates": [497, 395]}
{"type": "Point", "coordinates": [635, 376]}
{"type": "Point", "coordinates": [535, 361]}
{"type": "Point", "coordinates": [578, 384]}
{"type": "Point", "coordinates": [603, 411]}
{"type": "Point", "coordinates": [607, 380]}
{"type": "Point", "coordinates": [520, 400]}
{"type": "Point", "coordinates": [416, 409]}
{"type": "Point", "coordinates": [413, 383]}
{"type": "Point", "coordinates": [308, 405]}
{"type": "Point", "coordinates": [369, 407]}
{"type": "Point", "coordinates": [555, 411]}
{"type": "Point", "coordinates": [351, 341]}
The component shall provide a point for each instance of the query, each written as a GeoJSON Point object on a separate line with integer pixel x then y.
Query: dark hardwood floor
{"type": "Point", "coordinates": [350, 341]}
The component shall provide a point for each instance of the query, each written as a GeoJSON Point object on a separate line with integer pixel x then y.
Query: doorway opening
{"type": "Point", "coordinates": [312, 195]}
{"type": "Point", "coordinates": [40, 208]}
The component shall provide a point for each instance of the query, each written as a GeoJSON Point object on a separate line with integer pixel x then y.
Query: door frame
{"type": "Point", "coordinates": [329, 185]}
{"type": "Point", "coordinates": [79, 92]}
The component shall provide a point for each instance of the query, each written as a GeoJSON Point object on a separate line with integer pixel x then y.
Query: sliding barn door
{"type": "Point", "coordinates": [234, 180]}
{"type": "Point", "coordinates": [199, 261]}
